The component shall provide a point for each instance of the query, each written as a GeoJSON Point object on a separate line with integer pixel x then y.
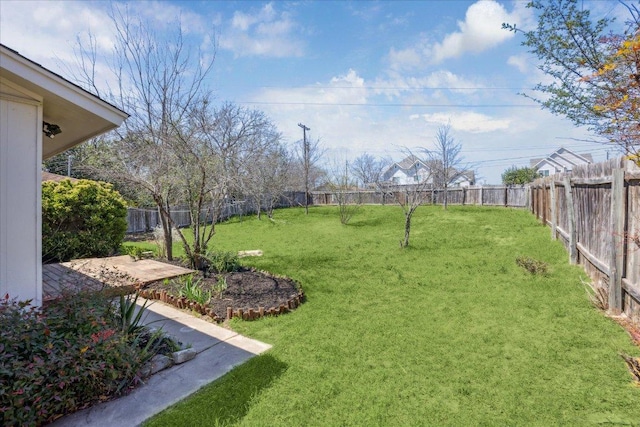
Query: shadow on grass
{"type": "Point", "coordinates": [226, 400]}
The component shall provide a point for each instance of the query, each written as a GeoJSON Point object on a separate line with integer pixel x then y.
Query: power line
{"type": "Point", "coordinates": [407, 88]}
{"type": "Point", "coordinates": [359, 104]}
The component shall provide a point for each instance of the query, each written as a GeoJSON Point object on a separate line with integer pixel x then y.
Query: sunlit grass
{"type": "Point", "coordinates": [449, 331]}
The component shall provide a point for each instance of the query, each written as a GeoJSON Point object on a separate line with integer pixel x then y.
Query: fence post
{"type": "Point", "coordinates": [617, 241]}
{"type": "Point", "coordinates": [506, 196]}
{"type": "Point", "coordinates": [481, 198]}
{"type": "Point", "coordinates": [544, 203]}
{"type": "Point", "coordinates": [554, 213]}
{"type": "Point", "coordinates": [571, 219]}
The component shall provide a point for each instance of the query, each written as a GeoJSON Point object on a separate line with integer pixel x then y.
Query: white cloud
{"type": "Point", "coordinates": [467, 121]}
{"type": "Point", "coordinates": [412, 57]}
{"type": "Point", "coordinates": [46, 32]}
{"type": "Point", "coordinates": [265, 32]}
{"type": "Point", "coordinates": [520, 62]}
{"type": "Point", "coordinates": [481, 30]}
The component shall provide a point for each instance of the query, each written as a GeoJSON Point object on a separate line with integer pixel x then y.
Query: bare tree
{"type": "Point", "coordinates": [410, 197]}
{"type": "Point", "coordinates": [158, 81]}
{"type": "Point", "coordinates": [368, 169]}
{"type": "Point", "coordinates": [446, 161]}
{"type": "Point", "coordinates": [342, 184]}
{"type": "Point", "coordinates": [269, 178]}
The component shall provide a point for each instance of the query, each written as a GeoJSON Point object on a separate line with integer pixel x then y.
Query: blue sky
{"type": "Point", "coordinates": [365, 76]}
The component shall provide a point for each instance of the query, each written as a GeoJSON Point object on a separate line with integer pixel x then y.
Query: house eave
{"type": "Point", "coordinates": [80, 114]}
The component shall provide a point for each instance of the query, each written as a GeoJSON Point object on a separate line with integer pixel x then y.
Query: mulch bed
{"type": "Point", "coordinates": [250, 294]}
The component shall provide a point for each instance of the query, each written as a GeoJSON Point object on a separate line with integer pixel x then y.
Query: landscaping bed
{"type": "Point", "coordinates": [247, 294]}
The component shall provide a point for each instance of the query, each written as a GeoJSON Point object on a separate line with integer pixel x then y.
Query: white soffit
{"type": "Point", "coordinates": [80, 114]}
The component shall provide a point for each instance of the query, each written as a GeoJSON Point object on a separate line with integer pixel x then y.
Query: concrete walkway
{"type": "Point", "coordinates": [219, 350]}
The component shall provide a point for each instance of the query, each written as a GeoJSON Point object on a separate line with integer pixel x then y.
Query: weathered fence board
{"type": "Point", "coordinates": [595, 211]}
{"type": "Point", "coordinates": [499, 195]}
{"type": "Point", "coordinates": [144, 220]}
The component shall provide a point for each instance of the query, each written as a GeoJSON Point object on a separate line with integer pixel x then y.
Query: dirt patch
{"type": "Point", "coordinates": [249, 294]}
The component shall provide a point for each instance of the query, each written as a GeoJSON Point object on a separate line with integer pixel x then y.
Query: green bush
{"type": "Point", "coordinates": [81, 219]}
{"type": "Point", "coordinates": [223, 262]}
{"type": "Point", "coordinates": [62, 358]}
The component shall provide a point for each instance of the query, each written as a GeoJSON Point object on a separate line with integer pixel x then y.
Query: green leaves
{"type": "Point", "coordinates": [81, 219]}
{"type": "Point", "coordinates": [516, 176]}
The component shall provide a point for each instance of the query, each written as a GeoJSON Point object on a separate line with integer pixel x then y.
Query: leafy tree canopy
{"type": "Point", "coordinates": [515, 175]}
{"type": "Point", "coordinates": [595, 72]}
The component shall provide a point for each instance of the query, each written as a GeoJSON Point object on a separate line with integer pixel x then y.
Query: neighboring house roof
{"type": "Point", "coordinates": [407, 166]}
{"type": "Point", "coordinates": [79, 114]}
{"type": "Point", "coordinates": [411, 165]}
{"type": "Point", "coordinates": [467, 176]}
{"type": "Point", "coordinates": [48, 176]}
{"type": "Point", "coordinates": [562, 159]}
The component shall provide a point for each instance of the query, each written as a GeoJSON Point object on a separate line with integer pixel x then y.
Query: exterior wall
{"type": "Point", "coordinates": [403, 177]}
{"type": "Point", "coordinates": [20, 194]}
{"type": "Point", "coordinates": [546, 168]}
{"type": "Point", "coordinates": [560, 161]}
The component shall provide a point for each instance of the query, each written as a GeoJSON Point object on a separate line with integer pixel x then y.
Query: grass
{"type": "Point", "coordinates": [449, 331]}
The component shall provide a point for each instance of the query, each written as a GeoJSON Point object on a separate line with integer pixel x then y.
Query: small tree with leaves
{"type": "Point", "coordinates": [594, 73]}
{"type": "Point", "coordinates": [518, 176]}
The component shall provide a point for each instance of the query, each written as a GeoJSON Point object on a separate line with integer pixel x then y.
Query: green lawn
{"type": "Point", "coordinates": [449, 331]}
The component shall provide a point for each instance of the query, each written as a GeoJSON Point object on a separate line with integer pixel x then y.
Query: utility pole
{"type": "Point", "coordinates": [69, 158]}
{"type": "Point", "coordinates": [307, 166]}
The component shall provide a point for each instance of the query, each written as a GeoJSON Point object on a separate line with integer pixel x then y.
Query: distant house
{"type": "Point", "coordinates": [412, 170]}
{"type": "Point", "coordinates": [408, 172]}
{"type": "Point", "coordinates": [41, 115]}
{"type": "Point", "coordinates": [464, 179]}
{"type": "Point", "coordinates": [561, 160]}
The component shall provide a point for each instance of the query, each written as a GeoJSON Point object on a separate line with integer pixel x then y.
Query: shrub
{"type": "Point", "coordinates": [223, 262]}
{"type": "Point", "coordinates": [81, 219]}
{"type": "Point", "coordinates": [62, 358]}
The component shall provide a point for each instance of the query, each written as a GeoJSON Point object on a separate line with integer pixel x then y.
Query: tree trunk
{"type": "Point", "coordinates": [258, 208]}
{"type": "Point", "coordinates": [444, 203]}
{"type": "Point", "coordinates": [306, 201]}
{"type": "Point", "coordinates": [166, 228]}
{"type": "Point", "coordinates": [407, 229]}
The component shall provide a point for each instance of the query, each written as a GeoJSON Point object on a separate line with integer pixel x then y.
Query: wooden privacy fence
{"type": "Point", "coordinates": [144, 220]}
{"type": "Point", "coordinates": [595, 211]}
{"type": "Point", "coordinates": [493, 195]}
{"type": "Point", "coordinates": [140, 220]}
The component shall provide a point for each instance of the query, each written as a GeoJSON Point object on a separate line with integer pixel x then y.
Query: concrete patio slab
{"type": "Point", "coordinates": [140, 271]}
{"type": "Point", "coordinates": [93, 274]}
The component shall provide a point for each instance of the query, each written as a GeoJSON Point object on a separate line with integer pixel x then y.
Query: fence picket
{"type": "Point", "coordinates": [597, 218]}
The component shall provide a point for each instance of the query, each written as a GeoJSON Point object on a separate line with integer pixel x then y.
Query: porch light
{"type": "Point", "coordinates": [50, 129]}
